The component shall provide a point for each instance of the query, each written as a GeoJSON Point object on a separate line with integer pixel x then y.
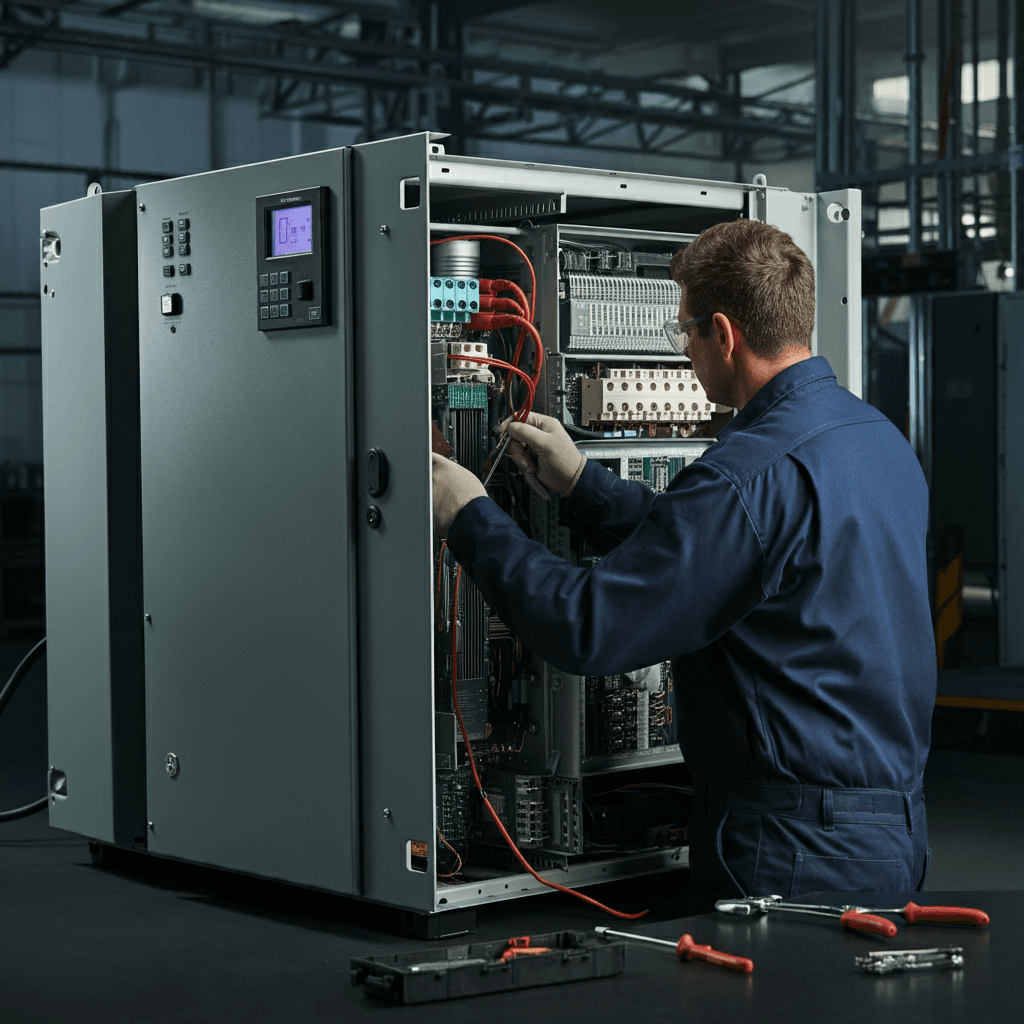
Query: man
{"type": "Point", "coordinates": [783, 573]}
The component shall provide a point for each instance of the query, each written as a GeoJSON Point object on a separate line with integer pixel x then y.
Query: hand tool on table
{"type": "Point", "coordinates": [860, 918]}
{"type": "Point", "coordinates": [685, 949]}
{"type": "Point", "coordinates": [914, 914]}
{"type": "Point", "coordinates": [520, 946]}
{"type": "Point", "coordinates": [849, 917]}
{"type": "Point", "coordinates": [888, 960]}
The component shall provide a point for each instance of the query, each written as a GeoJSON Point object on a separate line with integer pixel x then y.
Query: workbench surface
{"type": "Point", "coordinates": [145, 940]}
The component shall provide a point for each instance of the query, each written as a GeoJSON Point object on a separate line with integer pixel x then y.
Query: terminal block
{"type": "Point", "coordinates": [645, 396]}
{"type": "Point", "coordinates": [454, 299]}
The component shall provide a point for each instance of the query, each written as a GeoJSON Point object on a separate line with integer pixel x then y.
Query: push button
{"type": "Point", "coordinates": [183, 223]}
{"type": "Point", "coordinates": [264, 312]}
{"type": "Point", "coordinates": [273, 278]}
{"type": "Point", "coordinates": [183, 236]}
{"type": "Point", "coordinates": [264, 280]}
{"type": "Point", "coordinates": [184, 269]}
{"type": "Point", "coordinates": [184, 250]}
{"type": "Point", "coordinates": [314, 312]}
{"type": "Point", "coordinates": [168, 239]}
{"type": "Point", "coordinates": [273, 295]}
{"type": "Point", "coordinates": [284, 277]}
{"type": "Point", "coordinates": [169, 271]}
{"type": "Point", "coordinates": [167, 226]}
{"type": "Point", "coordinates": [264, 295]}
{"type": "Point", "coordinates": [275, 311]}
{"type": "Point", "coordinates": [168, 251]}
{"type": "Point", "coordinates": [170, 304]}
{"type": "Point", "coordinates": [285, 293]}
{"type": "Point", "coordinates": [286, 310]}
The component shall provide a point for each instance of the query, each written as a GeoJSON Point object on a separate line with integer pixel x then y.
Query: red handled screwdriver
{"type": "Point", "coordinates": [685, 949]}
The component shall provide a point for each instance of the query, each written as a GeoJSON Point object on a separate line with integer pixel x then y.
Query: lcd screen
{"type": "Point", "coordinates": [291, 231]}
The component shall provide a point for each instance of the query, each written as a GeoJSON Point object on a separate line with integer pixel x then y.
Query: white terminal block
{"type": "Point", "coordinates": [468, 367]}
{"type": "Point", "coordinates": [645, 396]}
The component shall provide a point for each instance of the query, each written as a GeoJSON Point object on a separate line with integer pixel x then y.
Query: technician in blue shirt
{"type": "Point", "coordinates": [783, 574]}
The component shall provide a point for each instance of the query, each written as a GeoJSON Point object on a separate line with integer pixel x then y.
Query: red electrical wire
{"type": "Point", "coordinates": [480, 786]}
{"type": "Point", "coordinates": [492, 287]}
{"type": "Point", "coordinates": [497, 304]}
{"type": "Point", "coordinates": [522, 413]}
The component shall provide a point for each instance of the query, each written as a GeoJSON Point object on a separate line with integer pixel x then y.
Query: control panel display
{"type": "Point", "coordinates": [291, 231]}
{"type": "Point", "coordinates": [291, 285]}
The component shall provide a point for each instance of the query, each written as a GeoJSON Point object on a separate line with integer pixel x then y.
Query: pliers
{"type": "Point", "coordinates": [859, 918]}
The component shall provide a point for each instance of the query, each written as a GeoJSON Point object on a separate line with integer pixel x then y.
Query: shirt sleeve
{"type": "Point", "coordinates": [603, 508]}
{"type": "Point", "coordinates": [691, 568]}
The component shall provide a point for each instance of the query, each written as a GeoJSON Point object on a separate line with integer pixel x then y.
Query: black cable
{"type": "Point", "coordinates": [5, 695]}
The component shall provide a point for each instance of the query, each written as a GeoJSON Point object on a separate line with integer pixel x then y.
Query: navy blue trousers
{"type": "Point", "coordinates": [760, 840]}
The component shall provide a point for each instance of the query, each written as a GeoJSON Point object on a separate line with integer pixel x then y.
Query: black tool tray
{"type": "Point", "coordinates": [432, 975]}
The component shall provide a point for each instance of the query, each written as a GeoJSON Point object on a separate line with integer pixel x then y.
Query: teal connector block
{"type": "Point", "coordinates": [454, 299]}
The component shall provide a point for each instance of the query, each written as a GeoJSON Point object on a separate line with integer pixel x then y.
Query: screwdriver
{"type": "Point", "coordinates": [685, 949]}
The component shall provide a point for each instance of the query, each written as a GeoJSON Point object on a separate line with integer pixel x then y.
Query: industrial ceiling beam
{"type": "Point", "coordinates": [314, 67]}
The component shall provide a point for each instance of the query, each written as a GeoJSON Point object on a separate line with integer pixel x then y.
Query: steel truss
{"type": "Point", "coordinates": [400, 79]}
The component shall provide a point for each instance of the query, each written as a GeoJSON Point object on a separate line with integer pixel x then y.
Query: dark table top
{"type": "Point", "coordinates": [146, 940]}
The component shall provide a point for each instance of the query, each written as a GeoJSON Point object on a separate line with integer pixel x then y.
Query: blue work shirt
{"type": "Point", "coordinates": [783, 574]}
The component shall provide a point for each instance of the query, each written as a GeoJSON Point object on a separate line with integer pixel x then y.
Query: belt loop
{"type": "Point", "coordinates": [909, 810]}
{"type": "Point", "coordinates": [827, 810]}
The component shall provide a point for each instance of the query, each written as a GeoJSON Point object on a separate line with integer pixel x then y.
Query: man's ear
{"type": "Point", "coordinates": [726, 334]}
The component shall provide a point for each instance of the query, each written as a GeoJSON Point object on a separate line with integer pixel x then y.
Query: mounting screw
{"type": "Point", "coordinates": [384, 229]}
{"type": "Point", "coordinates": [373, 517]}
{"type": "Point", "coordinates": [533, 728]}
{"type": "Point", "coordinates": [149, 618]}
{"type": "Point", "coordinates": [387, 812]}
{"type": "Point", "coordinates": [142, 207]}
{"type": "Point", "coordinates": [149, 825]}
{"type": "Point", "coordinates": [171, 765]}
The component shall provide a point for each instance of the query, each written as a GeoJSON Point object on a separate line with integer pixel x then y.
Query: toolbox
{"type": "Point", "coordinates": [432, 975]}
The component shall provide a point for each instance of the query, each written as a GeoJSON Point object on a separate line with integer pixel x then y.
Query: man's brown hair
{"type": "Point", "coordinates": [756, 275]}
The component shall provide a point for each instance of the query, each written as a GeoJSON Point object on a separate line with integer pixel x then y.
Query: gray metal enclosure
{"type": "Point", "coordinates": [293, 725]}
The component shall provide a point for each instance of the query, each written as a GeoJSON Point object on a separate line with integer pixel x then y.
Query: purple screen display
{"type": "Point", "coordinates": [292, 231]}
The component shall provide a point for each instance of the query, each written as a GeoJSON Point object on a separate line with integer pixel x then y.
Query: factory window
{"type": "Point", "coordinates": [988, 81]}
{"type": "Point", "coordinates": [891, 95]}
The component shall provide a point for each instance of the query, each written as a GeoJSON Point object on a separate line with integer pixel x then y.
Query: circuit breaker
{"type": "Point", "coordinates": [309, 644]}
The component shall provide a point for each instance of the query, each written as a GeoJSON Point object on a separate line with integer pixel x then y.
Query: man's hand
{"type": "Point", "coordinates": [454, 488]}
{"type": "Point", "coordinates": [541, 446]}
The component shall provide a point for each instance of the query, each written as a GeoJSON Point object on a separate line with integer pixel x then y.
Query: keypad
{"type": "Point", "coordinates": [274, 301]}
{"type": "Point", "coordinates": [182, 244]}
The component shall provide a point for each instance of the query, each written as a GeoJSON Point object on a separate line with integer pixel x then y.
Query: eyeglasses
{"type": "Point", "coordinates": [677, 333]}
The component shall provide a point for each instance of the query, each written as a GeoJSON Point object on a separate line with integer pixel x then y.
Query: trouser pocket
{"type": "Point", "coordinates": [816, 873]}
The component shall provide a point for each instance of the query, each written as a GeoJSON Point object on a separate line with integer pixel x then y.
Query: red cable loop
{"type": "Point", "coordinates": [480, 786]}
{"type": "Point", "coordinates": [520, 414]}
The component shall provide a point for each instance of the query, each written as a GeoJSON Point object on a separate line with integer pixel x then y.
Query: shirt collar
{"type": "Point", "coordinates": [785, 381]}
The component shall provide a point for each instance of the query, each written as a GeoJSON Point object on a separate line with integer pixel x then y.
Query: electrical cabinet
{"type": "Point", "coordinates": [308, 331]}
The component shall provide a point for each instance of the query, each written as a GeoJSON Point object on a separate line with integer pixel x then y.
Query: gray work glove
{"type": "Point", "coordinates": [541, 446]}
{"type": "Point", "coordinates": [454, 488]}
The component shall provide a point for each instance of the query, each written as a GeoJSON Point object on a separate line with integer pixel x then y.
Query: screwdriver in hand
{"type": "Point", "coordinates": [685, 949]}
